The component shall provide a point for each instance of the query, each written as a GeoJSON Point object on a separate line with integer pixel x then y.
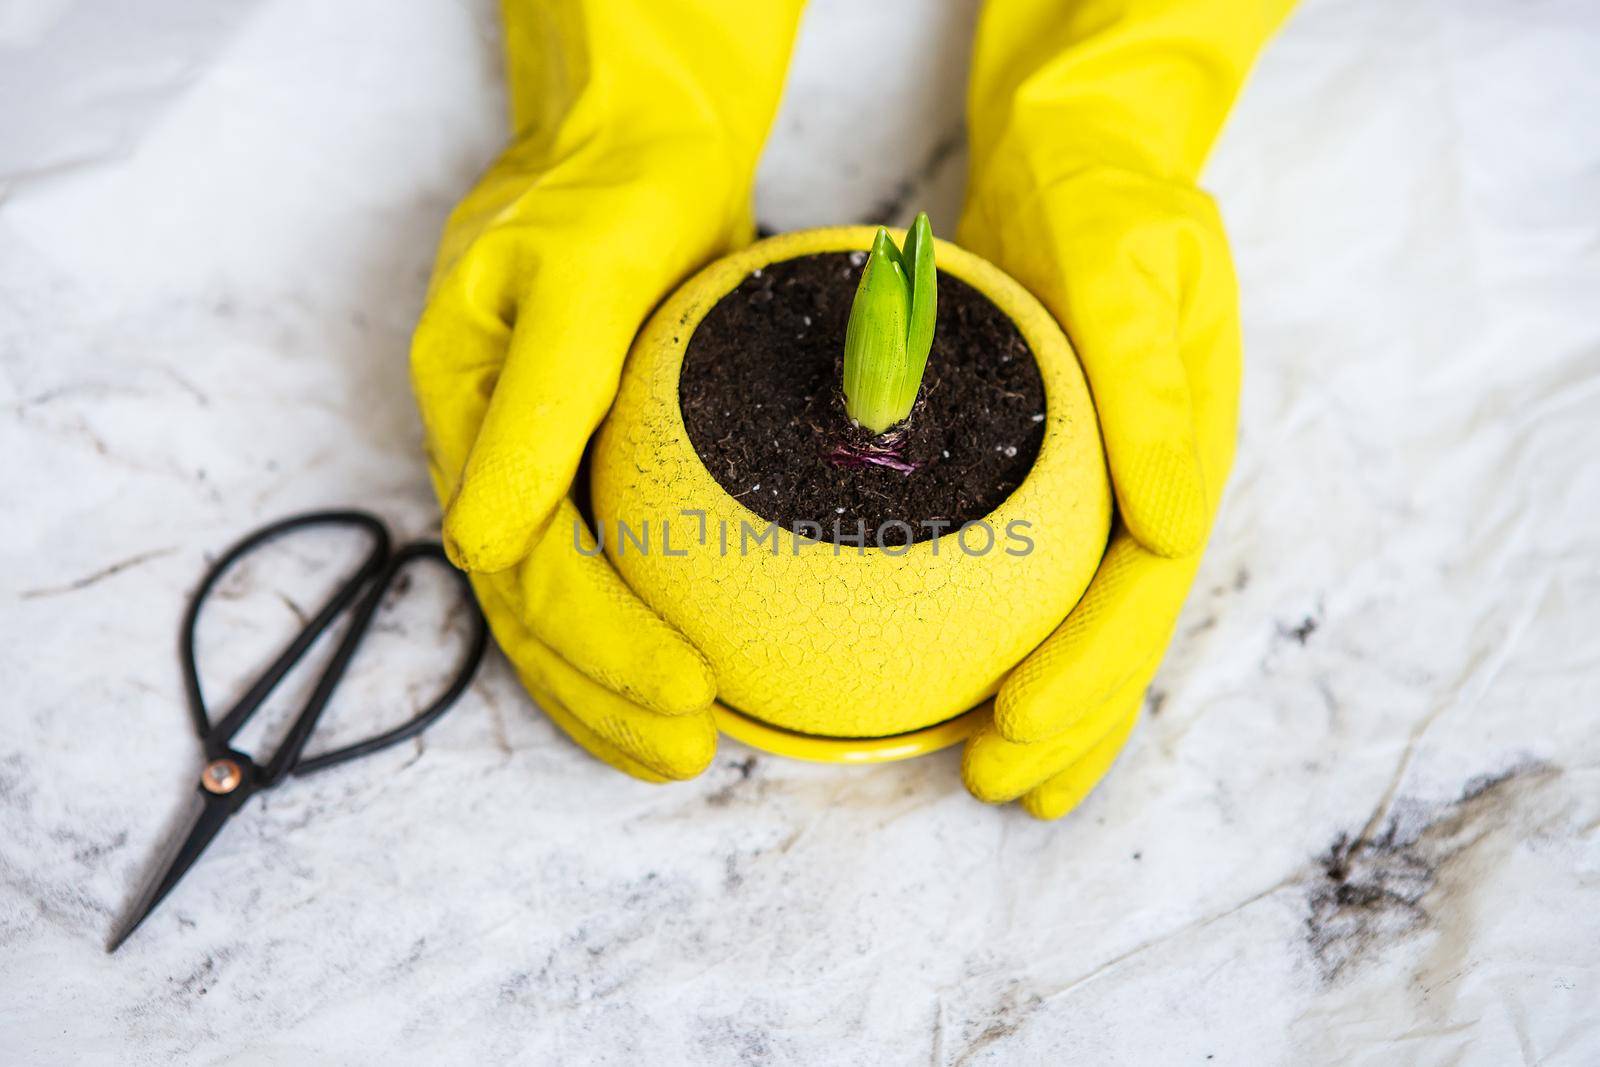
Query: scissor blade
{"type": "Point", "coordinates": [211, 816]}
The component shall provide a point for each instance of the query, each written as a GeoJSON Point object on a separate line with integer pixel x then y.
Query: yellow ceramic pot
{"type": "Point", "coordinates": [828, 651]}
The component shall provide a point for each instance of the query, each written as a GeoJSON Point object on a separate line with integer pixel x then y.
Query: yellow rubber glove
{"type": "Point", "coordinates": [1089, 123]}
{"type": "Point", "coordinates": [638, 126]}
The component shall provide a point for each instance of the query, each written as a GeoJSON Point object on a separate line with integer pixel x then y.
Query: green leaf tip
{"type": "Point", "coordinates": [891, 328]}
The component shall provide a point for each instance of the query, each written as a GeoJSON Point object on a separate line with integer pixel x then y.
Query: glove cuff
{"type": "Point", "coordinates": [580, 67]}
{"type": "Point", "coordinates": [1140, 84]}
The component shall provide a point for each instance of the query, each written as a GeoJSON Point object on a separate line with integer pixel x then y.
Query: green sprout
{"type": "Point", "coordinates": [891, 328]}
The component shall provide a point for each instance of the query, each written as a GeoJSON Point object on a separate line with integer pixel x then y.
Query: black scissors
{"type": "Point", "coordinates": [230, 777]}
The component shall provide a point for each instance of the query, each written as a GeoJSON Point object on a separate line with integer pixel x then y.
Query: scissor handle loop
{"type": "Point", "coordinates": [364, 588]}
{"type": "Point", "coordinates": [424, 550]}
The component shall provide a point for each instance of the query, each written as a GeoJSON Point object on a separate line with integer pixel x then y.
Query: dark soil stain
{"type": "Point", "coordinates": [732, 877]}
{"type": "Point", "coordinates": [1302, 632]}
{"type": "Point", "coordinates": [1006, 1018]}
{"type": "Point", "coordinates": [736, 1040]}
{"type": "Point", "coordinates": [742, 771]}
{"type": "Point", "coordinates": [1241, 581]}
{"type": "Point", "coordinates": [1372, 890]}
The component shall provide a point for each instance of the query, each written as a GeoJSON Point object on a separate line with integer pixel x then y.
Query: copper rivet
{"type": "Point", "coordinates": [221, 776]}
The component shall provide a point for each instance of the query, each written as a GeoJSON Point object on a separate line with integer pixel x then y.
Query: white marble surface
{"type": "Point", "coordinates": [216, 224]}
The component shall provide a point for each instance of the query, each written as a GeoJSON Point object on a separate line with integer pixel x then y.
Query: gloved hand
{"type": "Point", "coordinates": [638, 126]}
{"type": "Point", "coordinates": [1089, 123]}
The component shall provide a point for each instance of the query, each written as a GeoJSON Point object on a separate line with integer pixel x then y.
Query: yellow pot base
{"type": "Point", "coordinates": [817, 749]}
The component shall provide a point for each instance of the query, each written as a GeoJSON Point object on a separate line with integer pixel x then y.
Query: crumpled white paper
{"type": "Point", "coordinates": [1357, 825]}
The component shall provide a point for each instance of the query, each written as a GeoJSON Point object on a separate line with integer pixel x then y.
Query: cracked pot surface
{"type": "Point", "coordinates": [830, 639]}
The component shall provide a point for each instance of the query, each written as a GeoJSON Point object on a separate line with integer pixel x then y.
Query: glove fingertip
{"type": "Point", "coordinates": [677, 754]}
{"type": "Point", "coordinates": [985, 777]}
{"type": "Point", "coordinates": [482, 540]}
{"type": "Point", "coordinates": [692, 755]}
{"type": "Point", "coordinates": [1163, 501]}
{"type": "Point", "coordinates": [1048, 805]}
{"type": "Point", "coordinates": [637, 743]}
{"type": "Point", "coordinates": [982, 789]}
{"type": "Point", "coordinates": [586, 738]}
{"type": "Point", "coordinates": [1061, 794]}
{"type": "Point", "coordinates": [685, 685]}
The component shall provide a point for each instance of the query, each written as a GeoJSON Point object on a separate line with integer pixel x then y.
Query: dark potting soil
{"type": "Point", "coordinates": [761, 399]}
